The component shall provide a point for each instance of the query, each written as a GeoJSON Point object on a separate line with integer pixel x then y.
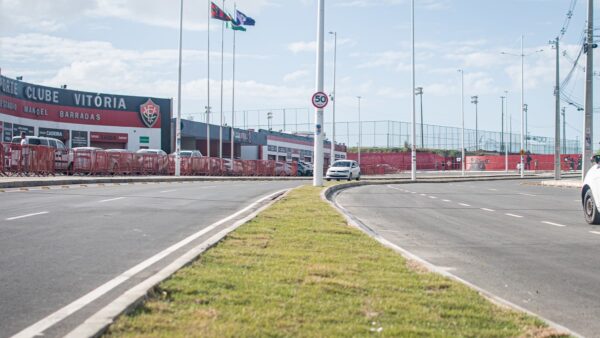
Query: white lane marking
{"type": "Point", "coordinates": [555, 224]}
{"type": "Point", "coordinates": [447, 200]}
{"type": "Point", "coordinates": [486, 209]}
{"type": "Point", "coordinates": [112, 199]}
{"type": "Point", "coordinates": [493, 189]}
{"type": "Point", "coordinates": [524, 194]}
{"type": "Point", "coordinates": [38, 328]}
{"type": "Point", "coordinates": [423, 194]}
{"type": "Point", "coordinates": [513, 215]}
{"type": "Point", "coordinates": [432, 197]}
{"type": "Point", "coordinates": [464, 204]}
{"type": "Point", "coordinates": [595, 232]}
{"type": "Point", "coordinates": [28, 215]}
{"type": "Point", "coordinates": [167, 191]}
{"type": "Point", "coordinates": [413, 192]}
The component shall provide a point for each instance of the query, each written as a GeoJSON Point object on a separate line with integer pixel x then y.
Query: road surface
{"type": "Point", "coordinates": [527, 244]}
{"type": "Point", "coordinates": [60, 244]}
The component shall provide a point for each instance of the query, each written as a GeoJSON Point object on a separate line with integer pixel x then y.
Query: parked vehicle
{"type": "Point", "coordinates": [345, 169]}
{"type": "Point", "coordinates": [283, 169]}
{"type": "Point", "coordinates": [153, 161]}
{"type": "Point", "coordinates": [590, 193]}
{"type": "Point", "coordinates": [189, 153]}
{"type": "Point", "coordinates": [124, 161]}
{"type": "Point", "coordinates": [305, 169]}
{"type": "Point", "coordinates": [63, 157]}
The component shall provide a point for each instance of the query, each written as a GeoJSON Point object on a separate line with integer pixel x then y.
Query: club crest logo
{"type": "Point", "coordinates": [149, 112]}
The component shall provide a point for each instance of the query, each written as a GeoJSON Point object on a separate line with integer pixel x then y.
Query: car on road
{"type": "Point", "coordinates": [345, 169]}
{"type": "Point", "coordinates": [590, 192]}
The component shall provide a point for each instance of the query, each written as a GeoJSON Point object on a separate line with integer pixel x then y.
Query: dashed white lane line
{"type": "Point", "coordinates": [447, 200]}
{"type": "Point", "coordinates": [413, 192]}
{"type": "Point", "coordinates": [524, 194]}
{"type": "Point", "coordinates": [167, 191]}
{"type": "Point", "coordinates": [423, 194]}
{"type": "Point", "coordinates": [493, 189]}
{"type": "Point", "coordinates": [513, 215]}
{"type": "Point", "coordinates": [25, 216]}
{"type": "Point", "coordinates": [432, 197]}
{"type": "Point", "coordinates": [555, 224]}
{"type": "Point", "coordinates": [595, 232]}
{"type": "Point", "coordinates": [464, 204]}
{"type": "Point", "coordinates": [112, 199]}
{"type": "Point", "coordinates": [489, 210]}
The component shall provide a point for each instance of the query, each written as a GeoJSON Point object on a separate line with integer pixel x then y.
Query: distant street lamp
{"type": "Point", "coordinates": [359, 130]}
{"type": "Point", "coordinates": [333, 96]}
{"type": "Point", "coordinates": [462, 105]}
{"type": "Point", "coordinates": [475, 100]}
{"type": "Point", "coordinates": [419, 91]}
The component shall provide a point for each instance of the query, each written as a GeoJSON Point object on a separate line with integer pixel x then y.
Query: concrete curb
{"type": "Point", "coordinates": [329, 195]}
{"type": "Point", "coordinates": [563, 184]}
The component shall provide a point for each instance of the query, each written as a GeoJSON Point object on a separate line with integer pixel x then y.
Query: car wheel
{"type": "Point", "coordinates": [328, 179]}
{"type": "Point", "coordinates": [589, 208]}
{"type": "Point", "coordinates": [349, 177]}
{"type": "Point", "coordinates": [358, 177]}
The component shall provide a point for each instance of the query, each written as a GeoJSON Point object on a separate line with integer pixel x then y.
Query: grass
{"type": "Point", "coordinates": [299, 270]}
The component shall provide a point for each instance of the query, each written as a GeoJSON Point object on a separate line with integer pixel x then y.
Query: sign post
{"type": "Point", "coordinates": [320, 99]}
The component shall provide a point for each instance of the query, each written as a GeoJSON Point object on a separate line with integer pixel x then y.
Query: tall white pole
{"type": "Point", "coordinates": [318, 146]}
{"type": "Point", "coordinates": [232, 134]}
{"type": "Point", "coordinates": [557, 115]}
{"type": "Point", "coordinates": [462, 119]}
{"type": "Point", "coordinates": [588, 120]}
{"type": "Point", "coordinates": [208, 80]}
{"type": "Point", "coordinates": [222, 65]}
{"type": "Point", "coordinates": [334, 97]}
{"type": "Point", "coordinates": [522, 109]}
{"type": "Point", "coordinates": [413, 171]}
{"type": "Point", "coordinates": [505, 143]}
{"type": "Point", "coordinates": [178, 121]}
{"type": "Point", "coordinates": [359, 130]}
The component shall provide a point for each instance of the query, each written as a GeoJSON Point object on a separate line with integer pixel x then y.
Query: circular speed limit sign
{"type": "Point", "coordinates": [320, 100]}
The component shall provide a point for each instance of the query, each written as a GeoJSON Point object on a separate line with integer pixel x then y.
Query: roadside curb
{"type": "Point", "coordinates": [562, 184]}
{"type": "Point", "coordinates": [117, 180]}
{"type": "Point", "coordinates": [329, 195]}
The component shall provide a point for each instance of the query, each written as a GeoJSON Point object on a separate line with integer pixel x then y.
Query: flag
{"type": "Point", "coordinates": [242, 19]}
{"type": "Point", "coordinates": [217, 13]}
{"type": "Point", "coordinates": [235, 26]}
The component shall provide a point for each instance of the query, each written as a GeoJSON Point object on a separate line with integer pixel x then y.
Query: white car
{"type": "Point", "coordinates": [345, 169]}
{"type": "Point", "coordinates": [590, 192]}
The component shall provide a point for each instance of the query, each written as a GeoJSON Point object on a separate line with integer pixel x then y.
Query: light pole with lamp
{"type": "Point", "coordinates": [359, 130]}
{"type": "Point", "coordinates": [523, 106]}
{"type": "Point", "coordinates": [462, 105]}
{"type": "Point", "coordinates": [475, 101]}
{"type": "Point", "coordinates": [333, 96]}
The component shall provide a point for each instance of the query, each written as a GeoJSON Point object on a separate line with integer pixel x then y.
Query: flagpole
{"type": "Point", "coordinates": [208, 81]}
{"type": "Point", "coordinates": [178, 121]}
{"type": "Point", "coordinates": [222, 51]}
{"type": "Point", "coordinates": [233, 96]}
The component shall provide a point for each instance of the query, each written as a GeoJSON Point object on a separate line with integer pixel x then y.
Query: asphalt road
{"type": "Point", "coordinates": [527, 244]}
{"type": "Point", "coordinates": [59, 244]}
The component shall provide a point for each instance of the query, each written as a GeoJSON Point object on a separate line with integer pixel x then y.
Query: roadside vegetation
{"type": "Point", "coordinates": [299, 270]}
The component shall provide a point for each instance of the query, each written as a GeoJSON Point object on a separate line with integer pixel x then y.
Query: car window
{"type": "Point", "coordinates": [33, 141]}
{"type": "Point", "coordinates": [51, 143]}
{"type": "Point", "coordinates": [341, 164]}
{"type": "Point", "coordinates": [16, 140]}
{"type": "Point", "coordinates": [60, 145]}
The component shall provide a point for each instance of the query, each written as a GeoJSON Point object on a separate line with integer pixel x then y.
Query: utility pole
{"type": "Point", "coordinates": [557, 113]}
{"type": "Point", "coordinates": [588, 132]}
{"type": "Point", "coordinates": [413, 173]}
{"type": "Point", "coordinates": [333, 96]}
{"type": "Point", "coordinates": [564, 132]}
{"type": "Point", "coordinates": [475, 100]}
{"type": "Point", "coordinates": [526, 108]}
{"type": "Point", "coordinates": [462, 105]}
{"type": "Point", "coordinates": [522, 109]}
{"type": "Point", "coordinates": [505, 147]}
{"type": "Point", "coordinates": [359, 130]}
{"type": "Point", "coordinates": [178, 120]}
{"type": "Point", "coordinates": [419, 91]}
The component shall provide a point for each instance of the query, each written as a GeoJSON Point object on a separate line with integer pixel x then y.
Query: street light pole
{"type": "Point", "coordinates": [564, 131]}
{"type": "Point", "coordinates": [522, 109]}
{"type": "Point", "coordinates": [502, 98]}
{"type": "Point", "coordinates": [419, 91]}
{"type": "Point", "coordinates": [359, 130]}
{"type": "Point", "coordinates": [178, 121]}
{"type": "Point", "coordinates": [318, 132]}
{"type": "Point", "coordinates": [475, 100]}
{"type": "Point", "coordinates": [462, 104]}
{"type": "Point", "coordinates": [505, 147]}
{"type": "Point", "coordinates": [333, 96]}
{"type": "Point", "coordinates": [413, 174]}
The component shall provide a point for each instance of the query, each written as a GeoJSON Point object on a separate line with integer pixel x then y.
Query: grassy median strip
{"type": "Point", "coordinates": [299, 270]}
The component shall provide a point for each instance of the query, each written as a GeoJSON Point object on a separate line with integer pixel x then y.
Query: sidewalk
{"type": "Point", "coordinates": [568, 183]}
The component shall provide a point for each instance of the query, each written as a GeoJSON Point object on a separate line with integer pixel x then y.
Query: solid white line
{"type": "Point", "coordinates": [555, 224]}
{"type": "Point", "coordinates": [595, 232]}
{"type": "Point", "coordinates": [513, 215]}
{"type": "Point", "coordinates": [112, 199]}
{"type": "Point", "coordinates": [28, 215]}
{"type": "Point", "coordinates": [56, 317]}
{"type": "Point", "coordinates": [464, 204]}
{"type": "Point", "coordinates": [486, 209]}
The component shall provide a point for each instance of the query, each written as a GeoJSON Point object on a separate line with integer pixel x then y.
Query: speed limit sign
{"type": "Point", "coordinates": [320, 100]}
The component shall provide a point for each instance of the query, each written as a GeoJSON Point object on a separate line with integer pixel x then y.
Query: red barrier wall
{"type": "Point", "coordinates": [536, 162]}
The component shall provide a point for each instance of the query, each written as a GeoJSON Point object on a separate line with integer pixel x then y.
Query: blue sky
{"type": "Point", "coordinates": [130, 47]}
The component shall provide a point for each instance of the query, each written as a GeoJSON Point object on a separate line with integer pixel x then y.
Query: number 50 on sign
{"type": "Point", "coordinates": [320, 100]}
